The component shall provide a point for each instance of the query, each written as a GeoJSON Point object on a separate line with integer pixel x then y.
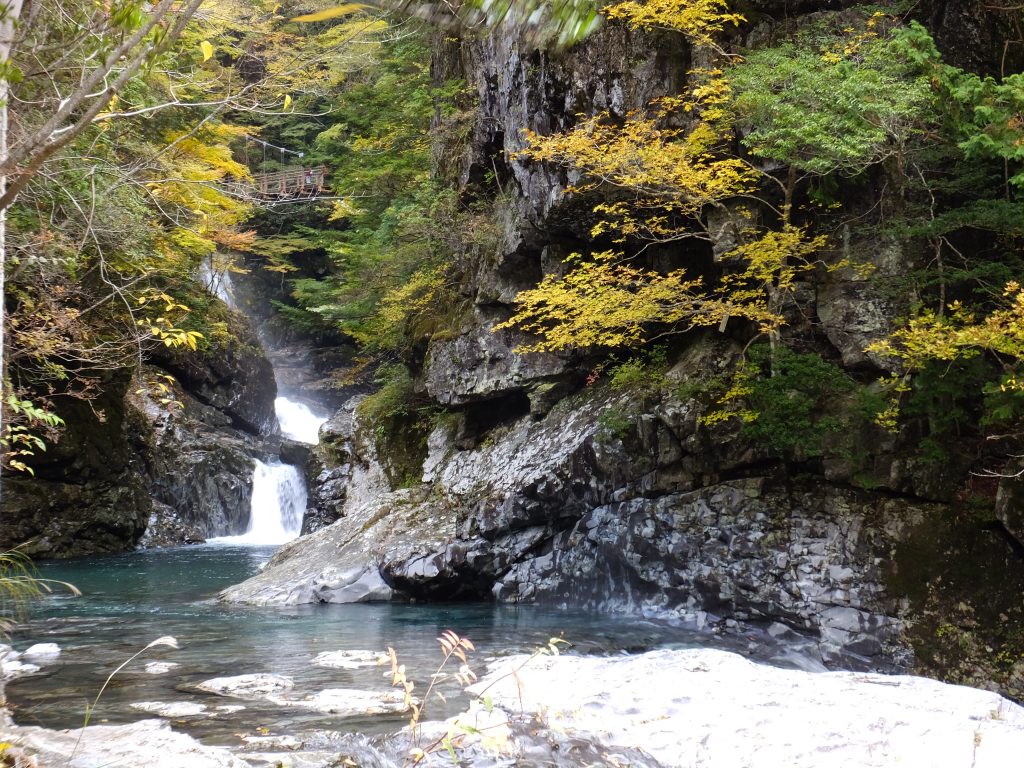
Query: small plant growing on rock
{"type": "Point", "coordinates": [452, 646]}
{"type": "Point", "coordinates": [614, 424]}
{"type": "Point", "coordinates": [644, 373]}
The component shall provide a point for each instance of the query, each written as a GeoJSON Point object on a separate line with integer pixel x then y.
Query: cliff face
{"type": "Point", "coordinates": [163, 456]}
{"type": "Point", "coordinates": [534, 486]}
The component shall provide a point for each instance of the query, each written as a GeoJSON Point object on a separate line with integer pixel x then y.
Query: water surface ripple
{"type": "Point", "coordinates": [129, 600]}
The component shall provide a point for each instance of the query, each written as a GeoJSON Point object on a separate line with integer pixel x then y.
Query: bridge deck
{"type": "Point", "coordinates": [288, 183]}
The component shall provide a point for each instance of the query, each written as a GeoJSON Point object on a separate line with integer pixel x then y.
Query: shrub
{"type": "Point", "coordinates": [807, 399]}
{"type": "Point", "coordinates": [644, 372]}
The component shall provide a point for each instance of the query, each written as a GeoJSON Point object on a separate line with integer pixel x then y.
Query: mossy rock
{"type": "Point", "coordinates": [964, 584]}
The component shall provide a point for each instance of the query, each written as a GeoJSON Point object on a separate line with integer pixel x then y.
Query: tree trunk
{"type": "Point", "coordinates": [11, 13]}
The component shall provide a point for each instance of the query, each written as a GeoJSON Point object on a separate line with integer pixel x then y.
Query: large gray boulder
{"type": "Point", "coordinates": [710, 709]}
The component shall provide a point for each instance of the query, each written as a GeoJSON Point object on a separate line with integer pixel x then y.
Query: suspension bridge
{"type": "Point", "coordinates": [286, 184]}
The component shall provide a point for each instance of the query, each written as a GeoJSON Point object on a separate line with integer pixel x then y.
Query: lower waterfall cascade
{"type": "Point", "coordinates": [278, 504]}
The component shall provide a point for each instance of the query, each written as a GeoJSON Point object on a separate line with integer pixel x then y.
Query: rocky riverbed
{"type": "Point", "coordinates": [661, 709]}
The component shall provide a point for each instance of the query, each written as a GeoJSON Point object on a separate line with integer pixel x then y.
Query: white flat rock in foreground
{"type": "Point", "coordinates": [717, 710]}
{"type": "Point", "coordinates": [44, 651]}
{"type": "Point", "coordinates": [170, 708]}
{"type": "Point", "coordinates": [347, 702]}
{"type": "Point", "coordinates": [254, 686]}
{"type": "Point", "coordinates": [350, 659]}
{"type": "Point", "coordinates": [145, 744]}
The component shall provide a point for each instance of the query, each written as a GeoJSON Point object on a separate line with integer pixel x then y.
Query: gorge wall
{"type": "Point", "coordinates": [534, 478]}
{"type": "Point", "coordinates": [573, 478]}
{"type": "Point", "coordinates": [164, 456]}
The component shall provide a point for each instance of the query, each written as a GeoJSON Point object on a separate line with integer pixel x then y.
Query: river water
{"type": "Point", "coordinates": [132, 599]}
{"type": "Point", "coordinates": [129, 600]}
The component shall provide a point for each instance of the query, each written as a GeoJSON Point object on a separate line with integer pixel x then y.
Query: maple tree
{"type": "Point", "coordinates": [663, 181]}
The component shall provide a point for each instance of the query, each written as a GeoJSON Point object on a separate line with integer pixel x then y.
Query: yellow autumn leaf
{"type": "Point", "coordinates": [331, 13]}
{"type": "Point", "coordinates": [207, 49]}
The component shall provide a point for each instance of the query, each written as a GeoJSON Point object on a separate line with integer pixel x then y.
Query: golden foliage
{"type": "Point", "coordinates": [334, 12]}
{"type": "Point", "coordinates": [604, 301]}
{"type": "Point", "coordinates": [730, 403]}
{"type": "Point", "coordinates": [699, 20]}
{"type": "Point", "coordinates": [415, 297]}
{"type": "Point", "coordinates": [959, 334]}
{"type": "Point", "coordinates": [191, 170]}
{"type": "Point", "coordinates": [668, 169]}
{"type": "Point", "coordinates": [672, 176]}
{"type": "Point", "coordinates": [771, 264]}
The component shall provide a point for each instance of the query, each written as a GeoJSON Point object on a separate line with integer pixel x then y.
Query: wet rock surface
{"type": "Point", "coordinates": [199, 469]}
{"type": "Point", "coordinates": [558, 510]}
{"type": "Point", "coordinates": [160, 458]}
{"type": "Point", "coordinates": [149, 743]}
{"type": "Point", "coordinates": [234, 376]}
{"type": "Point", "coordinates": [251, 686]}
{"type": "Point", "coordinates": [481, 365]}
{"type": "Point", "coordinates": [660, 709]}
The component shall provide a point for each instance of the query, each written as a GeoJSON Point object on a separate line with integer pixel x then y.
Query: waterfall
{"type": "Point", "coordinates": [218, 282]}
{"type": "Point", "coordinates": [277, 506]}
{"type": "Point", "coordinates": [278, 490]}
{"type": "Point", "coordinates": [297, 421]}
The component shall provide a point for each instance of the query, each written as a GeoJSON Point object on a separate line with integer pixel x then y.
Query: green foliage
{"type": "Point", "coordinates": [541, 22]}
{"type": "Point", "coordinates": [641, 373]}
{"type": "Point", "coordinates": [388, 241]}
{"type": "Point", "coordinates": [944, 397]}
{"type": "Point", "coordinates": [392, 399]}
{"type": "Point", "coordinates": [795, 405]}
{"type": "Point", "coordinates": [800, 406]}
{"type": "Point", "coordinates": [399, 422]}
{"type": "Point", "coordinates": [615, 424]}
{"type": "Point", "coordinates": [23, 423]}
{"type": "Point", "coordinates": [833, 101]}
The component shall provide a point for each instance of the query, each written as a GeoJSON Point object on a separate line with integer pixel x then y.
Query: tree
{"type": "Point", "coordinates": [833, 102]}
{"type": "Point", "coordinates": [661, 183]}
{"type": "Point", "coordinates": [117, 208]}
{"type": "Point", "coordinates": [103, 48]}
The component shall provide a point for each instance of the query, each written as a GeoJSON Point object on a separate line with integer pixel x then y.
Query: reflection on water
{"type": "Point", "coordinates": [129, 600]}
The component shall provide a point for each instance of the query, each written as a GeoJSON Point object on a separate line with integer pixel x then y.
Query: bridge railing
{"type": "Point", "coordinates": [284, 184]}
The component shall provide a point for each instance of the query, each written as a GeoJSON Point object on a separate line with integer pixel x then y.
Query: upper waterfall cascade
{"type": "Point", "coordinates": [218, 282]}
{"type": "Point", "coordinates": [297, 420]}
{"type": "Point", "coordinates": [278, 494]}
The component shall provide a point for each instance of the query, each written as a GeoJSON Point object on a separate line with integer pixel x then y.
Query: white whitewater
{"type": "Point", "coordinates": [278, 504]}
{"type": "Point", "coordinates": [297, 421]}
{"type": "Point", "coordinates": [278, 500]}
{"type": "Point", "coordinates": [218, 282]}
